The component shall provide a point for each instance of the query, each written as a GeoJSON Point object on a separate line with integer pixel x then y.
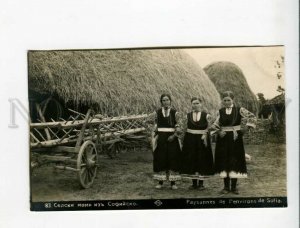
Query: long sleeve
{"type": "Point", "coordinates": [152, 121]}
{"type": "Point", "coordinates": [177, 119]}
{"type": "Point", "coordinates": [179, 124]}
{"type": "Point", "coordinates": [248, 117]}
{"type": "Point", "coordinates": [155, 117]}
{"type": "Point", "coordinates": [184, 122]}
{"type": "Point", "coordinates": [209, 121]}
{"type": "Point", "coordinates": [216, 124]}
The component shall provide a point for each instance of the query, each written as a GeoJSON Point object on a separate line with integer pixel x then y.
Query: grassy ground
{"type": "Point", "coordinates": [129, 176]}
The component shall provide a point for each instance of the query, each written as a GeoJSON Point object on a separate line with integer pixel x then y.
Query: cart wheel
{"type": "Point", "coordinates": [113, 150]}
{"type": "Point", "coordinates": [87, 164]}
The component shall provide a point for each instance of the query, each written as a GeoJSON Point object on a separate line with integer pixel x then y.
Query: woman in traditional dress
{"type": "Point", "coordinates": [197, 158]}
{"type": "Point", "coordinates": [230, 160]}
{"type": "Point", "coordinates": [166, 155]}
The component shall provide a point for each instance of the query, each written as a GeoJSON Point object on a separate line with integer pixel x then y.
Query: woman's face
{"type": "Point", "coordinates": [227, 101]}
{"type": "Point", "coordinates": [196, 105]}
{"type": "Point", "coordinates": [165, 102]}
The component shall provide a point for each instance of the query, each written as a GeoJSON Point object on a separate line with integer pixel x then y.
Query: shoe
{"type": "Point", "coordinates": [159, 186]}
{"type": "Point", "coordinates": [174, 187]}
{"type": "Point", "coordinates": [224, 191]}
{"type": "Point", "coordinates": [235, 191]}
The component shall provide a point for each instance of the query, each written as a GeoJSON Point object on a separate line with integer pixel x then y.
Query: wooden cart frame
{"type": "Point", "coordinates": [74, 144]}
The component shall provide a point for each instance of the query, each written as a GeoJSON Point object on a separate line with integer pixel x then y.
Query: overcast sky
{"type": "Point", "coordinates": [257, 64]}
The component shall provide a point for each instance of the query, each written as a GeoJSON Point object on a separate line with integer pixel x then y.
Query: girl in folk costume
{"type": "Point", "coordinates": [166, 155]}
{"type": "Point", "coordinates": [197, 158]}
{"type": "Point", "coordinates": [230, 160]}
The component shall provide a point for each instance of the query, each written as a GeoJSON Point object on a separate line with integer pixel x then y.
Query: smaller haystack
{"type": "Point", "coordinates": [228, 76]}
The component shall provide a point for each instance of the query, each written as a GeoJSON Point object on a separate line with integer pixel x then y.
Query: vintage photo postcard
{"type": "Point", "coordinates": [157, 128]}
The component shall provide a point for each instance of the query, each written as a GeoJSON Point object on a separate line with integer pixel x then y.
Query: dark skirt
{"type": "Point", "coordinates": [230, 156]}
{"type": "Point", "coordinates": [166, 156]}
{"type": "Point", "coordinates": [196, 157]}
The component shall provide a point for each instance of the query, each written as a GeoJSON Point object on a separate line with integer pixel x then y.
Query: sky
{"type": "Point", "coordinates": [257, 64]}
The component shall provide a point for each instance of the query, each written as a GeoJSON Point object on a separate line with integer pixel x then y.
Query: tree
{"type": "Point", "coordinates": [263, 110]}
{"type": "Point", "coordinates": [261, 98]}
{"type": "Point", "coordinates": [280, 89]}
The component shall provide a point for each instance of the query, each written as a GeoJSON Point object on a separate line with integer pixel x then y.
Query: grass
{"type": "Point", "coordinates": [129, 176]}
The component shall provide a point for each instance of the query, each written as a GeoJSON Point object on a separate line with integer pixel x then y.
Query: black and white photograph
{"type": "Point", "coordinates": [144, 113]}
{"type": "Point", "coordinates": [164, 128]}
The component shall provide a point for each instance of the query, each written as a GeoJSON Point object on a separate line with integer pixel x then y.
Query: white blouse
{"type": "Point", "coordinates": [166, 113]}
{"type": "Point", "coordinates": [196, 116]}
{"type": "Point", "coordinates": [229, 110]}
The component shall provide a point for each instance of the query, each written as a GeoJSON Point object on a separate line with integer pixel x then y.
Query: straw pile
{"type": "Point", "coordinates": [228, 76]}
{"type": "Point", "coordinates": [121, 82]}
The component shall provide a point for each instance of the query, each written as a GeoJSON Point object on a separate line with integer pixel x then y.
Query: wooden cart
{"type": "Point", "coordinates": [74, 144]}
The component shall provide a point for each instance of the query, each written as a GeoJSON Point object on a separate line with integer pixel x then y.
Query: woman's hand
{"type": "Point", "coordinates": [244, 129]}
{"type": "Point", "coordinates": [204, 138]}
{"type": "Point", "coordinates": [171, 138]}
{"type": "Point", "coordinates": [222, 133]}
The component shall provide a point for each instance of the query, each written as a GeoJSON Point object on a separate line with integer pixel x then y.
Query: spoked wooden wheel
{"type": "Point", "coordinates": [87, 163]}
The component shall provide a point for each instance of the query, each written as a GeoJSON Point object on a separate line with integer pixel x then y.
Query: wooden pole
{"type": "Point", "coordinates": [40, 134]}
{"type": "Point", "coordinates": [55, 142]}
{"type": "Point", "coordinates": [78, 113]}
{"type": "Point", "coordinates": [46, 104]}
{"type": "Point", "coordinates": [86, 119]}
{"type": "Point", "coordinates": [33, 136]}
{"type": "Point", "coordinates": [78, 123]}
{"type": "Point", "coordinates": [65, 168]}
{"type": "Point", "coordinates": [66, 134]}
{"type": "Point", "coordinates": [43, 120]}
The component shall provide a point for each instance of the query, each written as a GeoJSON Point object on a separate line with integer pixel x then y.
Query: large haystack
{"type": "Point", "coordinates": [228, 76]}
{"type": "Point", "coordinates": [119, 82]}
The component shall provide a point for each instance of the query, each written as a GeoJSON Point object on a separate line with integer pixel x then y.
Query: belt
{"type": "Point", "coordinates": [198, 132]}
{"type": "Point", "coordinates": [165, 129]}
{"type": "Point", "coordinates": [233, 128]}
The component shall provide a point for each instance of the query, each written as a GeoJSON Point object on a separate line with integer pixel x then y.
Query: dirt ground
{"type": "Point", "coordinates": [129, 176]}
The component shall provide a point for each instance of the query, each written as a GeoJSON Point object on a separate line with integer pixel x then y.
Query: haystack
{"type": "Point", "coordinates": [228, 76]}
{"type": "Point", "coordinates": [120, 82]}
